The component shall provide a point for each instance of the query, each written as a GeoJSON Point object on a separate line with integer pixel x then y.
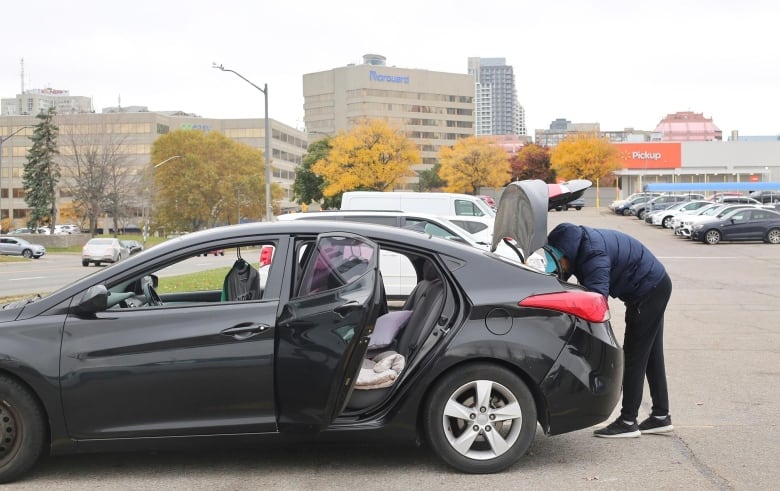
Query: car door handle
{"type": "Point", "coordinates": [245, 330]}
{"type": "Point", "coordinates": [346, 308]}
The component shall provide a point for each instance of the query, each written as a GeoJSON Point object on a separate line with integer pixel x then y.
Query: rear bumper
{"type": "Point", "coordinates": [584, 385]}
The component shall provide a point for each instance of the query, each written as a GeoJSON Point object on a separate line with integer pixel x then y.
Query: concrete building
{"type": "Point", "coordinates": [498, 111]}
{"type": "Point", "coordinates": [688, 126]}
{"type": "Point", "coordinates": [32, 102]}
{"type": "Point", "coordinates": [433, 109]}
{"type": "Point", "coordinates": [137, 132]}
{"type": "Point", "coordinates": [697, 162]}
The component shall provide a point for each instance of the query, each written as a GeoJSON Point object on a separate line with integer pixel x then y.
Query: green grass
{"type": "Point", "coordinates": [212, 279]}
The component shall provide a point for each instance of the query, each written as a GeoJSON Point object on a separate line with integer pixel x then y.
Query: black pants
{"type": "Point", "coordinates": [643, 349]}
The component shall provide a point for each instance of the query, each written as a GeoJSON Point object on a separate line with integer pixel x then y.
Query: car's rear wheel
{"type": "Point", "coordinates": [22, 426]}
{"type": "Point", "coordinates": [712, 237]}
{"type": "Point", "coordinates": [773, 236]}
{"type": "Point", "coordinates": [626, 212]}
{"type": "Point", "coordinates": [27, 253]}
{"type": "Point", "coordinates": [480, 418]}
{"type": "Point", "coordinates": [84, 263]}
{"type": "Point", "coordinates": [667, 222]}
{"type": "Point", "coordinates": [642, 215]}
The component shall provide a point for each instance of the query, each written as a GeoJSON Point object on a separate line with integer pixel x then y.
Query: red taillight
{"type": "Point", "coordinates": [589, 306]}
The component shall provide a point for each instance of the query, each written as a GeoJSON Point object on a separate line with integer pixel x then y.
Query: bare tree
{"type": "Point", "coordinates": [97, 165]}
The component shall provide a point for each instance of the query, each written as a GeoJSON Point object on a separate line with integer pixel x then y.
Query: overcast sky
{"type": "Point", "coordinates": [620, 63]}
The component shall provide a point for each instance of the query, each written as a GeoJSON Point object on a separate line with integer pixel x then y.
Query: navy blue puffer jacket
{"type": "Point", "coordinates": [607, 261]}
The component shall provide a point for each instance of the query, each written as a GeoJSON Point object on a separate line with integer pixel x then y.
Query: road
{"type": "Point", "coordinates": [54, 271]}
{"type": "Point", "coordinates": [722, 342]}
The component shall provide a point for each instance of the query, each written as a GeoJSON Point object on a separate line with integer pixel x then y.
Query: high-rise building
{"type": "Point", "coordinates": [433, 109]}
{"type": "Point", "coordinates": [497, 109]}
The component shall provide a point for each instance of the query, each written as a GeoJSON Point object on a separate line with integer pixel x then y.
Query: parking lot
{"type": "Point", "coordinates": [722, 341]}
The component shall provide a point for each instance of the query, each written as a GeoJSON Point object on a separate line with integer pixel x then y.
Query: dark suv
{"type": "Point", "coordinates": [766, 196]}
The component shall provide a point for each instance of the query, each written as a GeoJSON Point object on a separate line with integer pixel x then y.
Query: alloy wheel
{"type": "Point", "coordinates": [773, 236]}
{"type": "Point", "coordinates": [712, 237]}
{"type": "Point", "coordinates": [482, 419]}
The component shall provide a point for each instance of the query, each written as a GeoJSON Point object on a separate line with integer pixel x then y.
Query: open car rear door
{"type": "Point", "coordinates": [323, 332]}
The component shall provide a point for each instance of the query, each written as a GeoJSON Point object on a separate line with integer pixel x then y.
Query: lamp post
{"type": "Point", "coordinates": [151, 195]}
{"type": "Point", "coordinates": [3, 140]}
{"type": "Point", "coordinates": [264, 90]}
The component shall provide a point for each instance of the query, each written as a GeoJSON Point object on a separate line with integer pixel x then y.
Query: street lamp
{"type": "Point", "coordinates": [3, 140]}
{"type": "Point", "coordinates": [151, 193]}
{"type": "Point", "coordinates": [268, 210]}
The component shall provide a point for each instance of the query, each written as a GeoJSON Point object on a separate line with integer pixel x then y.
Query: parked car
{"type": "Point", "coordinates": [661, 202]}
{"type": "Point", "coordinates": [740, 224]}
{"type": "Point", "coordinates": [16, 246]}
{"type": "Point", "coordinates": [766, 196]}
{"type": "Point", "coordinates": [735, 200]}
{"type": "Point", "coordinates": [624, 207]}
{"type": "Point", "coordinates": [103, 250]}
{"type": "Point", "coordinates": [577, 204]}
{"type": "Point", "coordinates": [475, 370]}
{"type": "Point", "coordinates": [663, 218]}
{"type": "Point", "coordinates": [66, 229]}
{"type": "Point", "coordinates": [619, 205]}
{"type": "Point", "coordinates": [711, 214]}
{"type": "Point", "coordinates": [441, 204]}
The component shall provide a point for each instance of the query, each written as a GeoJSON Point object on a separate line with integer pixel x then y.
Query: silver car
{"type": "Point", "coordinates": [103, 250]}
{"type": "Point", "coordinates": [14, 246]}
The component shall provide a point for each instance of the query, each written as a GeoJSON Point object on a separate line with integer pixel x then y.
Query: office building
{"type": "Point", "coordinates": [433, 109]}
{"type": "Point", "coordinates": [136, 132]}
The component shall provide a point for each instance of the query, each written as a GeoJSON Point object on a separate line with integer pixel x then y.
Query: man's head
{"type": "Point", "coordinates": [565, 240]}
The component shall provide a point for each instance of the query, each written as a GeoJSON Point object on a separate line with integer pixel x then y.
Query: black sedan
{"type": "Point", "coordinates": [135, 357]}
{"type": "Point", "coordinates": [739, 225]}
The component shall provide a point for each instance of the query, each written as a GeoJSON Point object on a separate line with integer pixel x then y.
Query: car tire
{"type": "Point", "coordinates": [642, 215]}
{"type": "Point", "coordinates": [666, 222]}
{"type": "Point", "coordinates": [626, 212]}
{"type": "Point", "coordinates": [499, 437]}
{"type": "Point", "coordinates": [578, 208]}
{"type": "Point", "coordinates": [27, 253]}
{"type": "Point", "coordinates": [84, 263]}
{"type": "Point", "coordinates": [712, 237]}
{"type": "Point", "coordinates": [22, 425]}
{"type": "Point", "coordinates": [773, 236]}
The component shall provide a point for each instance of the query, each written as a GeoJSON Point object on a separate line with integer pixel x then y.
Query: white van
{"type": "Point", "coordinates": [441, 204]}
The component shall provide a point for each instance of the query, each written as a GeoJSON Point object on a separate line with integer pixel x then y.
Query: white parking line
{"type": "Point", "coordinates": [27, 278]}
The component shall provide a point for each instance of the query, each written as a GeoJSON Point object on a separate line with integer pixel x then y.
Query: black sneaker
{"type": "Point", "coordinates": [654, 425]}
{"type": "Point", "coordinates": [619, 429]}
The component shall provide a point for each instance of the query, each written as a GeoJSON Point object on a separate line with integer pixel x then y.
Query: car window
{"type": "Point", "coordinates": [335, 262]}
{"type": "Point", "coordinates": [467, 208]}
{"type": "Point", "coordinates": [469, 226]}
{"type": "Point", "coordinates": [196, 278]}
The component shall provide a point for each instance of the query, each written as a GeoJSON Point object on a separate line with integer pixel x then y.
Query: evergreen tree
{"type": "Point", "coordinates": [42, 172]}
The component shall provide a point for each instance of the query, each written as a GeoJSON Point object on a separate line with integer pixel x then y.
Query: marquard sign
{"type": "Point", "coordinates": [650, 155]}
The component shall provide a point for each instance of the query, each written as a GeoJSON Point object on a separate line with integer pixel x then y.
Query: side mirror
{"type": "Point", "coordinates": [95, 299]}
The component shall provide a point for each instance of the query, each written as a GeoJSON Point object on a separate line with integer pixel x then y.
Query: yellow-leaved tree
{"type": "Point", "coordinates": [371, 156]}
{"type": "Point", "coordinates": [474, 162]}
{"type": "Point", "coordinates": [215, 180]}
{"type": "Point", "coordinates": [585, 156]}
